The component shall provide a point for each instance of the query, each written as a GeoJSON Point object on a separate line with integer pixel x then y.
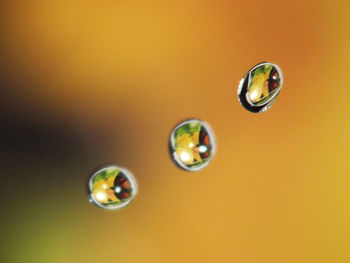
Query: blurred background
{"type": "Point", "coordinates": [88, 83]}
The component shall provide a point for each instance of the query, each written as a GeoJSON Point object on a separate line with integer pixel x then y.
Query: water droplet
{"type": "Point", "coordinates": [192, 145]}
{"type": "Point", "coordinates": [259, 88]}
{"type": "Point", "coordinates": [112, 188]}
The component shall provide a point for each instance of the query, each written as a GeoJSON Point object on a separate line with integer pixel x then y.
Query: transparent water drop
{"type": "Point", "coordinates": [112, 188]}
{"type": "Point", "coordinates": [192, 145]}
{"type": "Point", "coordinates": [259, 88]}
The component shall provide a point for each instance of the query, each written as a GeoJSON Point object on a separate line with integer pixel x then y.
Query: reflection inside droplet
{"type": "Point", "coordinates": [192, 145]}
{"type": "Point", "coordinates": [112, 188]}
{"type": "Point", "coordinates": [258, 90]}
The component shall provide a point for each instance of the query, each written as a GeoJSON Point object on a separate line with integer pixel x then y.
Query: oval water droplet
{"type": "Point", "coordinates": [192, 145]}
{"type": "Point", "coordinates": [259, 88]}
{"type": "Point", "coordinates": [112, 188]}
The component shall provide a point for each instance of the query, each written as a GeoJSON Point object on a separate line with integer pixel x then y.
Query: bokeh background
{"type": "Point", "coordinates": [88, 83]}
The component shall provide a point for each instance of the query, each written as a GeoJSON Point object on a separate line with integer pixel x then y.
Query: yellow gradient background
{"type": "Point", "coordinates": [119, 75]}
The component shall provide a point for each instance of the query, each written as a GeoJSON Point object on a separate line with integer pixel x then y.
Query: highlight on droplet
{"type": "Point", "coordinates": [112, 188]}
{"type": "Point", "coordinates": [192, 145]}
{"type": "Point", "coordinates": [259, 88]}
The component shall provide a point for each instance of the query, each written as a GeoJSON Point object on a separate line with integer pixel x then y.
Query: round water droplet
{"type": "Point", "coordinates": [192, 145]}
{"type": "Point", "coordinates": [112, 188]}
{"type": "Point", "coordinates": [259, 88]}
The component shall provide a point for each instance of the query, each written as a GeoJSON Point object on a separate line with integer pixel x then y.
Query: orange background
{"type": "Point", "coordinates": [86, 83]}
